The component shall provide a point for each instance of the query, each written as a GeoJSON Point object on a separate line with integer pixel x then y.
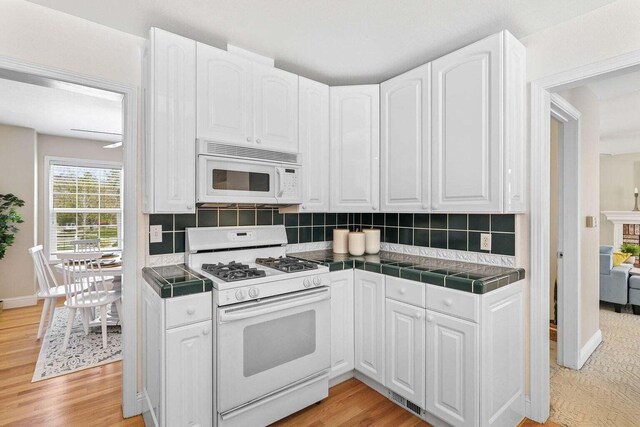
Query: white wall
{"type": "Point", "coordinates": [74, 148]}
{"type": "Point", "coordinates": [18, 176]}
{"type": "Point", "coordinates": [619, 175]}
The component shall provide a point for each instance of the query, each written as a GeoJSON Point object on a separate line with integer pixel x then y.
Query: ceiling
{"type": "Point", "coordinates": [333, 41]}
{"type": "Point", "coordinates": [56, 111]}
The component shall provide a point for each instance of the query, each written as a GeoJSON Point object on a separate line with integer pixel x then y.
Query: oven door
{"type": "Point", "coordinates": [267, 345]}
{"type": "Point", "coordinates": [225, 180]}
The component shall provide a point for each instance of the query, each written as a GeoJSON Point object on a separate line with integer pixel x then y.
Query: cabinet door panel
{"type": "Point", "coordinates": [275, 100]}
{"type": "Point", "coordinates": [314, 144]}
{"type": "Point", "coordinates": [173, 118]}
{"type": "Point", "coordinates": [467, 135]}
{"type": "Point", "coordinates": [452, 369]}
{"type": "Point", "coordinates": [341, 322]}
{"type": "Point", "coordinates": [355, 146]}
{"type": "Point", "coordinates": [405, 357]}
{"type": "Point", "coordinates": [369, 324]}
{"type": "Point", "coordinates": [224, 96]}
{"type": "Point", "coordinates": [189, 375]}
{"type": "Point", "coordinates": [405, 141]}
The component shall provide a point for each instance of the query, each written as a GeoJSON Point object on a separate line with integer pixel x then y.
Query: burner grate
{"type": "Point", "coordinates": [286, 264]}
{"type": "Point", "coordinates": [233, 271]}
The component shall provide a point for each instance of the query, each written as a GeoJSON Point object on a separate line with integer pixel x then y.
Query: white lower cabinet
{"type": "Point", "coordinates": [341, 284]}
{"type": "Point", "coordinates": [369, 324]}
{"type": "Point", "coordinates": [177, 348]}
{"type": "Point", "coordinates": [405, 355]}
{"type": "Point", "coordinates": [452, 369]}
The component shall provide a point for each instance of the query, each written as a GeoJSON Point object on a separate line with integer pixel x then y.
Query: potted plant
{"type": "Point", "coordinates": [631, 249]}
{"type": "Point", "coordinates": [9, 218]}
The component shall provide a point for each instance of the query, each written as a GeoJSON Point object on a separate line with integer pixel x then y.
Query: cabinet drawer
{"type": "Point", "coordinates": [188, 309]}
{"type": "Point", "coordinates": [408, 291]}
{"type": "Point", "coordinates": [455, 303]}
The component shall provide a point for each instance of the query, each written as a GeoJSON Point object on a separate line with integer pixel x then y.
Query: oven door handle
{"type": "Point", "coordinates": [266, 307]}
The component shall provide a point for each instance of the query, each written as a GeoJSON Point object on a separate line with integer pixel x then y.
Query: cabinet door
{"type": "Point", "coordinates": [189, 373]}
{"type": "Point", "coordinates": [341, 322]}
{"type": "Point", "coordinates": [225, 112]}
{"type": "Point", "coordinates": [405, 147]}
{"type": "Point", "coordinates": [369, 324]}
{"type": "Point", "coordinates": [452, 369]}
{"type": "Point", "coordinates": [467, 134]}
{"type": "Point", "coordinates": [355, 148]}
{"type": "Point", "coordinates": [314, 144]}
{"type": "Point", "coordinates": [405, 358]}
{"type": "Point", "coordinates": [275, 108]}
{"type": "Point", "coordinates": [172, 129]}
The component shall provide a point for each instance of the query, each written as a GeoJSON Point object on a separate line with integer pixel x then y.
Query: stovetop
{"type": "Point", "coordinates": [286, 264]}
{"type": "Point", "coordinates": [233, 271]}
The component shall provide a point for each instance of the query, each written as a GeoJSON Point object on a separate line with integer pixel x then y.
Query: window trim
{"type": "Point", "coordinates": [72, 161]}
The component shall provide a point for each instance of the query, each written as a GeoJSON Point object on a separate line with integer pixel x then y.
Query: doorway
{"type": "Point", "coordinates": [17, 70]}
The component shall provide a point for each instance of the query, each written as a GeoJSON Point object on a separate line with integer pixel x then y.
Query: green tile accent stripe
{"type": "Point", "coordinates": [463, 276]}
{"type": "Point", "coordinates": [175, 280]}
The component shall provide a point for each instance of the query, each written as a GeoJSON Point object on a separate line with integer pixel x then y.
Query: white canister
{"type": "Point", "coordinates": [340, 241]}
{"type": "Point", "coordinates": [356, 243]}
{"type": "Point", "coordinates": [372, 240]}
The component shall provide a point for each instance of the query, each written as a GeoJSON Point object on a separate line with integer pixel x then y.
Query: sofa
{"type": "Point", "coordinates": [614, 281]}
{"type": "Point", "coordinates": [634, 293]}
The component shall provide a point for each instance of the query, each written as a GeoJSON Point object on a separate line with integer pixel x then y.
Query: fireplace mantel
{"type": "Point", "coordinates": [619, 218]}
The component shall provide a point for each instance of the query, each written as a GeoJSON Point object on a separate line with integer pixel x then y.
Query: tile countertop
{"type": "Point", "coordinates": [175, 280]}
{"type": "Point", "coordinates": [463, 276]}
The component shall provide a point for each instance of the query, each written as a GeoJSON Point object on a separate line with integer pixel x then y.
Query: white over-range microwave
{"type": "Point", "coordinates": [237, 174]}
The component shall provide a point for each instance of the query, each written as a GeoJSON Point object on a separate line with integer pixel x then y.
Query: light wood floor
{"type": "Point", "coordinates": [93, 397]}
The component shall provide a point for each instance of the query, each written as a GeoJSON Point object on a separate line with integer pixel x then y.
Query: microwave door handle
{"type": "Point", "coordinates": [279, 182]}
{"type": "Point", "coordinates": [230, 315]}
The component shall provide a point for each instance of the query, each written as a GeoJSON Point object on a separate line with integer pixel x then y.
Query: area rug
{"type": "Point", "coordinates": [606, 391]}
{"type": "Point", "coordinates": [83, 351]}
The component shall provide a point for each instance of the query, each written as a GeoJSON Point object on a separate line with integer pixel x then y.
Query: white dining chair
{"type": "Point", "coordinates": [86, 245]}
{"type": "Point", "coordinates": [87, 288]}
{"type": "Point", "coordinates": [48, 287]}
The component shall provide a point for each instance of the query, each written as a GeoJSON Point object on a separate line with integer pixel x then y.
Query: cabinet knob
{"type": "Point", "coordinates": [258, 141]}
{"type": "Point", "coordinates": [189, 205]}
{"type": "Point", "coordinates": [191, 311]}
{"type": "Point", "coordinates": [429, 318]}
{"type": "Point", "coordinates": [434, 207]}
{"type": "Point", "coordinates": [206, 331]}
{"type": "Point", "coordinates": [374, 208]}
{"type": "Point", "coordinates": [448, 302]}
{"type": "Point", "coordinates": [248, 139]}
{"type": "Point", "coordinates": [418, 315]}
{"type": "Point", "coordinates": [403, 291]}
{"type": "Point", "coordinates": [303, 207]}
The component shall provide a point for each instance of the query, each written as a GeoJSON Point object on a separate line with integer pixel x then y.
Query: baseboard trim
{"type": "Point", "coordinates": [16, 302]}
{"type": "Point", "coordinates": [589, 348]}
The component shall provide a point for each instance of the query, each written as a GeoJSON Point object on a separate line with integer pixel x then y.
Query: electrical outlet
{"type": "Point", "coordinates": [485, 242]}
{"type": "Point", "coordinates": [155, 234]}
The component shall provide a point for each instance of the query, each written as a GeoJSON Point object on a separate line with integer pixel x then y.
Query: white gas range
{"type": "Point", "coordinates": [272, 340]}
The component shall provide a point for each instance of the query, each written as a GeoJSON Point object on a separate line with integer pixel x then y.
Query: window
{"type": "Point", "coordinates": [84, 202]}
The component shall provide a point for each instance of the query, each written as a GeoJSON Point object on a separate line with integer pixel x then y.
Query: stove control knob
{"type": "Point", "coordinates": [307, 283]}
{"type": "Point", "coordinates": [317, 281]}
{"type": "Point", "coordinates": [253, 292]}
{"type": "Point", "coordinates": [240, 295]}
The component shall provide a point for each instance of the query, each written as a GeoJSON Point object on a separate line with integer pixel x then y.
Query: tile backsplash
{"type": "Point", "coordinates": [446, 231]}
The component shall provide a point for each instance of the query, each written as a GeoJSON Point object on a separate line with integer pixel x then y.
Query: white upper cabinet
{"type": "Point", "coordinates": [275, 100]}
{"type": "Point", "coordinates": [405, 148]}
{"type": "Point", "coordinates": [171, 116]}
{"type": "Point", "coordinates": [225, 112]}
{"type": "Point", "coordinates": [355, 147]}
{"type": "Point", "coordinates": [477, 143]}
{"type": "Point", "coordinates": [369, 324]}
{"type": "Point", "coordinates": [314, 144]}
{"type": "Point", "coordinates": [244, 102]}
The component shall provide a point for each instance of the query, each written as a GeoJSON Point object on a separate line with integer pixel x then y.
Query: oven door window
{"type": "Point", "coordinates": [223, 179]}
{"type": "Point", "coordinates": [278, 341]}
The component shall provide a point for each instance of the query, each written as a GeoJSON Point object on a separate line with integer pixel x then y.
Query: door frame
{"type": "Point", "coordinates": [539, 393]}
{"type": "Point", "coordinates": [131, 404]}
{"type": "Point", "coordinates": [569, 226]}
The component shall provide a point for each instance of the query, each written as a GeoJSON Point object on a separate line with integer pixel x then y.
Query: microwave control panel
{"type": "Point", "coordinates": [289, 184]}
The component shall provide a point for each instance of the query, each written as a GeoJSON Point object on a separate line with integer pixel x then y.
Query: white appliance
{"type": "Point", "coordinates": [272, 337]}
{"type": "Point", "coordinates": [236, 174]}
